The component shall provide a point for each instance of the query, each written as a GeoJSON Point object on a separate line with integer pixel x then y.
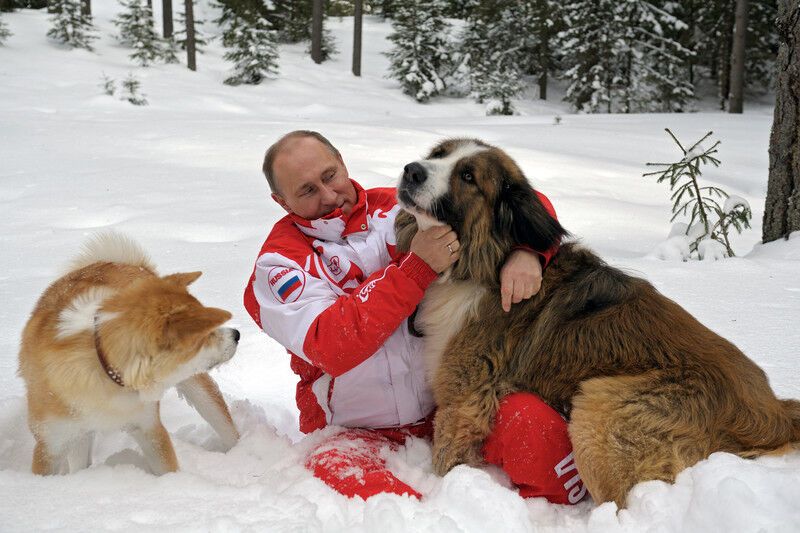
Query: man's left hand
{"type": "Point", "coordinates": [520, 277]}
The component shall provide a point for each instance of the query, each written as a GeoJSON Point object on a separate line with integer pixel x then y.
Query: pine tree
{"type": "Point", "coordinates": [179, 35]}
{"type": "Point", "coordinates": [420, 58]}
{"type": "Point", "coordinates": [136, 30]}
{"type": "Point", "coordinates": [588, 48]}
{"type": "Point", "coordinates": [70, 25]}
{"type": "Point", "coordinates": [542, 20]}
{"type": "Point", "coordinates": [503, 42]}
{"type": "Point", "coordinates": [653, 62]}
{"type": "Point", "coordinates": [712, 22]}
{"type": "Point", "coordinates": [251, 44]}
{"type": "Point", "coordinates": [5, 33]}
{"type": "Point", "coordinates": [625, 56]}
{"type": "Point", "coordinates": [292, 21]}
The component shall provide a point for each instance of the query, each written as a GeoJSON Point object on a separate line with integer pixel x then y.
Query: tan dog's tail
{"type": "Point", "coordinates": [112, 247]}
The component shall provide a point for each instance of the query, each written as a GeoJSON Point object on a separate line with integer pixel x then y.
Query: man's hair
{"type": "Point", "coordinates": [272, 153]}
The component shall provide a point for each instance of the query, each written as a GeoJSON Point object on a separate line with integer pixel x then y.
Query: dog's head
{"type": "Point", "coordinates": [157, 334]}
{"type": "Point", "coordinates": [483, 195]}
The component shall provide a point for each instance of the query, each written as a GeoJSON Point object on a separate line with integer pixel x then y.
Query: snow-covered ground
{"type": "Point", "coordinates": [182, 176]}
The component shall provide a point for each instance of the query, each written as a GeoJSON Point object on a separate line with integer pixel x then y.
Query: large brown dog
{"type": "Point", "coordinates": [648, 390]}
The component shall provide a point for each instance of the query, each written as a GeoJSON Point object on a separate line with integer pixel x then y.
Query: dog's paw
{"type": "Point", "coordinates": [443, 461]}
{"type": "Point", "coordinates": [445, 458]}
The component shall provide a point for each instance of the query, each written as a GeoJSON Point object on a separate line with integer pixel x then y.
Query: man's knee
{"type": "Point", "coordinates": [531, 443]}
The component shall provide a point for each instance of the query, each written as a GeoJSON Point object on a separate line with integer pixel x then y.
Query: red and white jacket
{"type": "Point", "coordinates": [337, 295]}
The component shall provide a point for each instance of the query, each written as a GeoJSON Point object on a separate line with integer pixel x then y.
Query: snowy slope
{"type": "Point", "coordinates": [182, 176]}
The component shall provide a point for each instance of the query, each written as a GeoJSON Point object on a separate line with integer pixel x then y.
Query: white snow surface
{"type": "Point", "coordinates": [182, 177]}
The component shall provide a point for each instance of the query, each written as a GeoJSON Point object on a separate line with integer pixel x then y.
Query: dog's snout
{"type": "Point", "coordinates": [415, 173]}
{"type": "Point", "coordinates": [236, 335]}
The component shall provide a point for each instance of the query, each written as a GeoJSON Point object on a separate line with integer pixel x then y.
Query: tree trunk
{"type": "Point", "coordinates": [86, 8]}
{"type": "Point", "coordinates": [724, 60]}
{"type": "Point", "coordinates": [544, 64]}
{"type": "Point", "coordinates": [150, 5]}
{"type": "Point", "coordinates": [782, 209]}
{"type": "Point", "coordinates": [736, 97]}
{"type": "Point", "coordinates": [191, 61]}
{"type": "Point", "coordinates": [357, 19]}
{"type": "Point", "coordinates": [166, 8]}
{"type": "Point", "coordinates": [316, 31]}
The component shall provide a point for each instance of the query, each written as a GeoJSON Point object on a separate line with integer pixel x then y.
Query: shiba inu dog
{"type": "Point", "coordinates": [103, 344]}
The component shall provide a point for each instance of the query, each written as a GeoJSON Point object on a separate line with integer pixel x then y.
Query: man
{"type": "Point", "coordinates": [330, 286]}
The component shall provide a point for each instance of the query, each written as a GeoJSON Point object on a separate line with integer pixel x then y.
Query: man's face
{"type": "Point", "coordinates": [311, 181]}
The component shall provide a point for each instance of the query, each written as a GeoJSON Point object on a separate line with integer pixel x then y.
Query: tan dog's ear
{"type": "Point", "coordinates": [182, 279]}
{"type": "Point", "coordinates": [193, 322]}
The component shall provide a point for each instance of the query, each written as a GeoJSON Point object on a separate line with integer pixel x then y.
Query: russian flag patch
{"type": "Point", "coordinates": [286, 284]}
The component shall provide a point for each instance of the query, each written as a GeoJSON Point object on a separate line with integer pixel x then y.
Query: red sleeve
{"type": "Point", "coordinates": [356, 325]}
{"type": "Point", "coordinates": [547, 255]}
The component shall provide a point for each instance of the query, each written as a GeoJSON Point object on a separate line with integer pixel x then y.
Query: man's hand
{"type": "Point", "coordinates": [437, 246]}
{"type": "Point", "coordinates": [520, 277]}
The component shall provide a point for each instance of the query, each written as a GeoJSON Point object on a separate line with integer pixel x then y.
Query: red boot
{"type": "Point", "coordinates": [350, 463]}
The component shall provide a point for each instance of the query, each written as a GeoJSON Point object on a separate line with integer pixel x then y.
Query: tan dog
{"type": "Point", "coordinates": [103, 344]}
{"type": "Point", "coordinates": [648, 390]}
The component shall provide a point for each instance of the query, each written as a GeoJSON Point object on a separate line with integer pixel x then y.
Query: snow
{"type": "Point", "coordinates": [181, 175]}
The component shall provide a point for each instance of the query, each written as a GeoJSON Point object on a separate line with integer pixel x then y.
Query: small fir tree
{"type": "Point", "coordinates": [70, 25]}
{"type": "Point", "coordinates": [136, 30]}
{"type": "Point", "coordinates": [252, 46]}
{"type": "Point", "coordinates": [130, 87]}
{"type": "Point", "coordinates": [108, 85]}
{"type": "Point", "coordinates": [169, 50]}
{"type": "Point", "coordinates": [709, 219]}
{"type": "Point", "coordinates": [5, 33]}
{"type": "Point", "coordinates": [421, 57]}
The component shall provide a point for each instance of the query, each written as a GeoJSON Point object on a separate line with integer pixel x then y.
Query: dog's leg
{"type": "Point", "coordinates": [56, 441]}
{"type": "Point", "coordinates": [79, 455]}
{"type": "Point", "coordinates": [629, 429]}
{"type": "Point", "coordinates": [460, 429]}
{"type": "Point", "coordinates": [155, 443]}
{"type": "Point", "coordinates": [202, 393]}
{"type": "Point", "coordinates": [43, 464]}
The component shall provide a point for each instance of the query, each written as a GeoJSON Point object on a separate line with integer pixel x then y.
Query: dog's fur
{"type": "Point", "coordinates": [647, 389]}
{"type": "Point", "coordinates": [152, 332]}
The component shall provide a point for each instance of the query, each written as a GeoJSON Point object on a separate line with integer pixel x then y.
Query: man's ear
{"type": "Point", "coordinates": [279, 199]}
{"type": "Point", "coordinates": [521, 214]}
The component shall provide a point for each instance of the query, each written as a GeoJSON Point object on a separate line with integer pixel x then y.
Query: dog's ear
{"type": "Point", "coordinates": [405, 227]}
{"type": "Point", "coordinates": [522, 215]}
{"type": "Point", "coordinates": [186, 323]}
{"type": "Point", "coordinates": [182, 279]}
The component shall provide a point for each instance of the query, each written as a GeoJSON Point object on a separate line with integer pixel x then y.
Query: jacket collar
{"type": "Point", "coordinates": [336, 225]}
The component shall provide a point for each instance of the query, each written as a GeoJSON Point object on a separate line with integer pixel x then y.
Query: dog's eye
{"type": "Point", "coordinates": [467, 176]}
{"type": "Point", "coordinates": [437, 154]}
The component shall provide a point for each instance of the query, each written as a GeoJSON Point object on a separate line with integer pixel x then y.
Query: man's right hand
{"type": "Point", "coordinates": [437, 246]}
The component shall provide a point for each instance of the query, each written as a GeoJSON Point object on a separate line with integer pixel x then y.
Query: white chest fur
{"type": "Point", "coordinates": [443, 311]}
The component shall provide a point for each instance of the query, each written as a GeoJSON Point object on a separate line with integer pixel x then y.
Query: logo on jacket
{"type": "Point", "coordinates": [363, 294]}
{"type": "Point", "coordinates": [334, 267]}
{"type": "Point", "coordinates": [286, 284]}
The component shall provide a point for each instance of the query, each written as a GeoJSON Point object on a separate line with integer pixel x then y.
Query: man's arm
{"type": "Point", "coordinates": [334, 332]}
{"type": "Point", "coordinates": [521, 274]}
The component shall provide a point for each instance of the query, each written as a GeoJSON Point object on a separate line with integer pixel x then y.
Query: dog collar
{"type": "Point", "coordinates": [110, 371]}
